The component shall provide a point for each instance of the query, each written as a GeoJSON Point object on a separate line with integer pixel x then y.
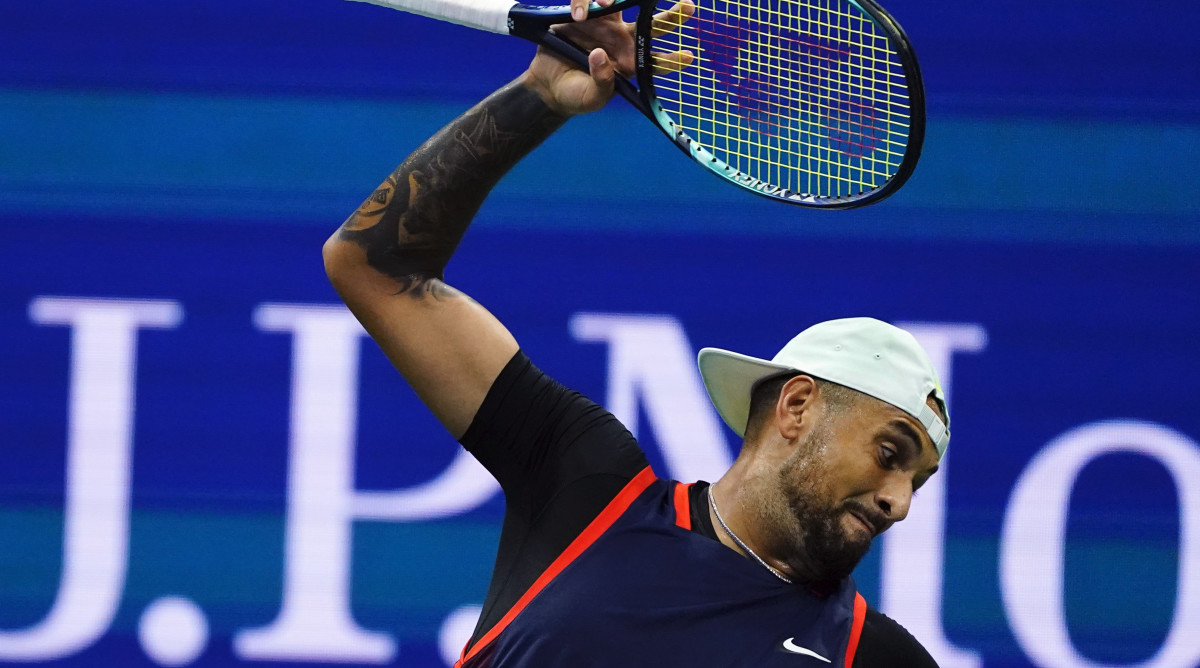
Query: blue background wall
{"type": "Point", "coordinates": [201, 152]}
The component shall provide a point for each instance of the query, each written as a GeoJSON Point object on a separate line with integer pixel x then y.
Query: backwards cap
{"type": "Point", "coordinates": [864, 354]}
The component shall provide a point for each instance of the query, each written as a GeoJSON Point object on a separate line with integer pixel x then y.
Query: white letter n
{"type": "Point", "coordinates": [649, 358]}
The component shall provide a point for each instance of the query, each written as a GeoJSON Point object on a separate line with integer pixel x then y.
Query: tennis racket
{"type": "Point", "coordinates": [812, 102]}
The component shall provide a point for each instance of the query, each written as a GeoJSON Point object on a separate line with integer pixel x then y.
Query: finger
{"type": "Point", "coordinates": [601, 68]}
{"type": "Point", "coordinates": [579, 9]}
{"type": "Point", "coordinates": [671, 19]}
{"type": "Point", "coordinates": [610, 17]}
{"type": "Point", "coordinates": [666, 63]}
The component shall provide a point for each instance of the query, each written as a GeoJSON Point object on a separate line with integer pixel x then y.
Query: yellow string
{"type": "Point", "coordinates": [715, 93]}
{"type": "Point", "coordinates": [727, 97]}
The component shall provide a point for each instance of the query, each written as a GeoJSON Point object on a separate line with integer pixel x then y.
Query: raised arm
{"type": "Point", "coordinates": [387, 260]}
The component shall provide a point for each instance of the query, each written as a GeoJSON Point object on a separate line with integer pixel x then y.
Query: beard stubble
{"type": "Point", "coordinates": [806, 519]}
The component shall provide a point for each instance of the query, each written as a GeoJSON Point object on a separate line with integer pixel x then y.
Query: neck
{"type": "Point", "coordinates": [735, 532]}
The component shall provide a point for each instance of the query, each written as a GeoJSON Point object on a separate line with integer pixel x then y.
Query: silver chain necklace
{"type": "Point", "coordinates": [712, 501]}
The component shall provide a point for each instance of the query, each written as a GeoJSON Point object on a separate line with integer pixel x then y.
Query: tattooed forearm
{"type": "Point", "coordinates": [410, 226]}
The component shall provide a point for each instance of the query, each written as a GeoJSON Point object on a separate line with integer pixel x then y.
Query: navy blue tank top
{"type": "Point", "coordinates": [638, 588]}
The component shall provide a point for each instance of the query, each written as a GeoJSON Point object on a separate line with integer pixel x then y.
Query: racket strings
{"type": "Point", "coordinates": [824, 51]}
{"type": "Point", "coordinates": [713, 67]}
{"type": "Point", "coordinates": [766, 105]}
{"type": "Point", "coordinates": [778, 124]}
{"type": "Point", "coordinates": [807, 97]}
{"type": "Point", "coordinates": [895, 135]}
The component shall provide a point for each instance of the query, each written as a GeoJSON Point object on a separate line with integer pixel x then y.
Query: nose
{"type": "Point", "coordinates": [894, 498]}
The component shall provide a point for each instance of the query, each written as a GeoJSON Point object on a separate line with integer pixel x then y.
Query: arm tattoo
{"type": "Point", "coordinates": [411, 225]}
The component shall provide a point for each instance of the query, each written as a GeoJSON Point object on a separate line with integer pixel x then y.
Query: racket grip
{"type": "Point", "coordinates": [489, 15]}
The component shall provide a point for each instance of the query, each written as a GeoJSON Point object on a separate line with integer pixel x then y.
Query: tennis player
{"type": "Point", "coordinates": [600, 562]}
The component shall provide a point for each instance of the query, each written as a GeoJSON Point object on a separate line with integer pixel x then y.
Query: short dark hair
{"type": "Point", "coordinates": [765, 393]}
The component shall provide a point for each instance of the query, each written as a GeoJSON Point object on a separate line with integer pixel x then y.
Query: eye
{"type": "Point", "coordinates": [887, 456]}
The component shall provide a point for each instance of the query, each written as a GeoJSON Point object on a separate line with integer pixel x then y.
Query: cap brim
{"type": "Point", "coordinates": [729, 378]}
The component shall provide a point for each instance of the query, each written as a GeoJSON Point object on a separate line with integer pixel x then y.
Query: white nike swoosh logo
{"type": "Point", "coordinates": [796, 649]}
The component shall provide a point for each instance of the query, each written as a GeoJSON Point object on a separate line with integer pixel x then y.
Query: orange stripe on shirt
{"type": "Point", "coordinates": [598, 526]}
{"type": "Point", "coordinates": [683, 506]}
{"type": "Point", "coordinates": [860, 615]}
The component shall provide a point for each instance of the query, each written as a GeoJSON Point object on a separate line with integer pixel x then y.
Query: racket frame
{"type": "Point", "coordinates": [912, 151]}
{"type": "Point", "coordinates": [533, 23]}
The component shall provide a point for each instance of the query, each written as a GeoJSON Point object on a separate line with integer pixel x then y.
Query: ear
{"type": "Point", "coordinates": [795, 407]}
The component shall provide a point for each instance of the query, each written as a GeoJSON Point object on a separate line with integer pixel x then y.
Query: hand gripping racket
{"type": "Point", "coordinates": [813, 102]}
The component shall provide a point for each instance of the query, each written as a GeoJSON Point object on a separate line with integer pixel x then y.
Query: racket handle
{"type": "Point", "coordinates": [489, 15]}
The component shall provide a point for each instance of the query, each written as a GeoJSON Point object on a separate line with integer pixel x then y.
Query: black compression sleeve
{"type": "Point", "coordinates": [885, 642]}
{"type": "Point", "coordinates": [560, 459]}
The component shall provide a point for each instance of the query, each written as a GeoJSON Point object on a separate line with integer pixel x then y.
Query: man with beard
{"type": "Point", "coordinates": [600, 562]}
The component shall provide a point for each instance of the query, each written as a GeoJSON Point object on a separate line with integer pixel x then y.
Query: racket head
{"type": "Point", "coordinates": [817, 103]}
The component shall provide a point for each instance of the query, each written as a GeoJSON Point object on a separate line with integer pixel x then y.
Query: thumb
{"type": "Point", "coordinates": [601, 68]}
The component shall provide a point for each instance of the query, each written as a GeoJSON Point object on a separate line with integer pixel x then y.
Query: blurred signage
{"type": "Point", "coordinates": [193, 335]}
